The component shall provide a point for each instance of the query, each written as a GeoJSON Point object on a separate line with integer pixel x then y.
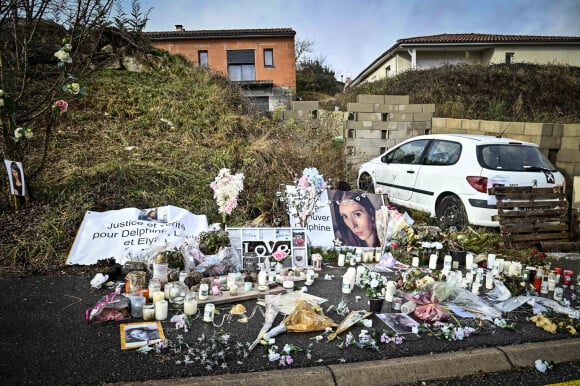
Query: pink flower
{"type": "Point", "coordinates": [279, 255]}
{"type": "Point", "coordinates": [62, 105]}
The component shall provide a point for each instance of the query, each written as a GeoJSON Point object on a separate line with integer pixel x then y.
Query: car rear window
{"type": "Point", "coordinates": [513, 157]}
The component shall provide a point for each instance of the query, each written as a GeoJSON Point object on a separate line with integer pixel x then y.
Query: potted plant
{"type": "Point", "coordinates": [373, 285]}
{"type": "Point", "coordinates": [211, 241]}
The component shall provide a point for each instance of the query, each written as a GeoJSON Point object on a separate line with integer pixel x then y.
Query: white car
{"type": "Point", "coordinates": [448, 175]}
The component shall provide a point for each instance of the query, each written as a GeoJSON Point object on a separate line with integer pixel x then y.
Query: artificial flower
{"type": "Point", "coordinates": [279, 256]}
{"type": "Point", "coordinates": [63, 56]}
{"type": "Point", "coordinates": [73, 88]}
{"type": "Point", "coordinates": [373, 284]}
{"type": "Point", "coordinates": [302, 198]}
{"type": "Point", "coordinates": [226, 188]}
{"type": "Point", "coordinates": [62, 105]}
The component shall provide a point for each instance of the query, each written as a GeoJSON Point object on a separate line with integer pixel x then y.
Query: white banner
{"type": "Point", "coordinates": [131, 231]}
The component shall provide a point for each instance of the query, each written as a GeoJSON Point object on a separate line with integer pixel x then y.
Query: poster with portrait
{"type": "Point", "coordinates": [353, 217]}
{"type": "Point", "coordinates": [134, 335]}
{"type": "Point", "coordinates": [16, 178]}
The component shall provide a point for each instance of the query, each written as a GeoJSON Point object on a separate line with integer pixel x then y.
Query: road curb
{"type": "Point", "coordinates": [398, 371]}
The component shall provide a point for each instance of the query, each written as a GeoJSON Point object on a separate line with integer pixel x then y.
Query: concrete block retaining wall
{"type": "Point", "coordinates": [376, 123]}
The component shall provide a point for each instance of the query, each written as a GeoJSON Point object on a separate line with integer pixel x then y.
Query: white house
{"type": "Point", "coordinates": [426, 52]}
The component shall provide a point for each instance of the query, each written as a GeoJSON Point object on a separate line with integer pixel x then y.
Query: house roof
{"type": "Point", "coordinates": [464, 39]}
{"type": "Point", "coordinates": [486, 38]}
{"type": "Point", "coordinates": [220, 33]}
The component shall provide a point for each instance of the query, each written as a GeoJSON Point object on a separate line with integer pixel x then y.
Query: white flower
{"type": "Point", "coordinates": [541, 366]}
{"type": "Point", "coordinates": [415, 330]}
{"type": "Point", "coordinates": [226, 188]}
{"type": "Point", "coordinates": [63, 56]}
{"type": "Point", "coordinates": [273, 356]}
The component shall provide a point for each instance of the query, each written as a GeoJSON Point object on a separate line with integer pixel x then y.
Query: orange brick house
{"type": "Point", "coordinates": [261, 60]}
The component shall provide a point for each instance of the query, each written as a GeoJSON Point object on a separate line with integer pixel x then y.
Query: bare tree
{"type": "Point", "coordinates": [302, 47]}
{"type": "Point", "coordinates": [39, 40]}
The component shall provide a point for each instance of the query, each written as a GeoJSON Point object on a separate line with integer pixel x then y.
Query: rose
{"type": "Point", "coordinates": [62, 105]}
{"type": "Point", "coordinates": [279, 255]}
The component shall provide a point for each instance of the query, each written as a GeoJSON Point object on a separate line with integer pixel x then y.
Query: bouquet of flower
{"type": "Point", "coordinates": [226, 188]}
{"type": "Point", "coordinates": [302, 198]}
{"type": "Point", "coordinates": [373, 284]}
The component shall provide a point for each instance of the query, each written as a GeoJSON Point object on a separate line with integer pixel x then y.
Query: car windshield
{"type": "Point", "coordinates": [513, 157]}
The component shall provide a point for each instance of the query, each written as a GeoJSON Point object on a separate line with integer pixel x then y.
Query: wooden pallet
{"type": "Point", "coordinates": [530, 216]}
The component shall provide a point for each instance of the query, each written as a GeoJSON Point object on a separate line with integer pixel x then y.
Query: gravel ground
{"type": "Point", "coordinates": [46, 340]}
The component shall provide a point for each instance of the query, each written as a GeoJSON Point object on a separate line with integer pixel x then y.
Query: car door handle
{"type": "Point", "coordinates": [411, 171]}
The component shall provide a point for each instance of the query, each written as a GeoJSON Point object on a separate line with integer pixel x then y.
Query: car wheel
{"type": "Point", "coordinates": [365, 183]}
{"type": "Point", "coordinates": [451, 213]}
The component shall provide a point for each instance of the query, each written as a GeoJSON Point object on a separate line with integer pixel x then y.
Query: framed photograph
{"type": "Point", "coordinates": [300, 258]}
{"type": "Point", "coordinates": [135, 335]}
{"type": "Point", "coordinates": [399, 322]}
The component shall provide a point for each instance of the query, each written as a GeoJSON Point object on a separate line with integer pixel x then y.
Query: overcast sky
{"type": "Point", "coordinates": [349, 34]}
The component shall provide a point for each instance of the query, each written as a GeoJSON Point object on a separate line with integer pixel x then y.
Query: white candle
{"type": "Point", "coordinates": [359, 271]}
{"type": "Point", "coordinates": [157, 296]}
{"type": "Point", "coordinates": [475, 288]}
{"type": "Point", "coordinates": [433, 261]}
{"type": "Point", "coordinates": [262, 278]}
{"type": "Point", "coordinates": [408, 307]}
{"type": "Point", "coordinates": [469, 277]}
{"type": "Point", "coordinates": [341, 258]}
{"type": "Point", "coordinates": [489, 280]}
{"type": "Point", "coordinates": [490, 260]}
{"type": "Point", "coordinates": [415, 262]}
{"type": "Point", "coordinates": [507, 267]}
{"type": "Point", "coordinates": [447, 263]}
{"type": "Point", "coordinates": [468, 260]}
{"type": "Point", "coordinates": [161, 308]}
{"type": "Point", "coordinates": [390, 291]}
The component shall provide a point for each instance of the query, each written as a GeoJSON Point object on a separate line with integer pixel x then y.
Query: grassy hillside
{"type": "Point", "coordinates": [152, 139]}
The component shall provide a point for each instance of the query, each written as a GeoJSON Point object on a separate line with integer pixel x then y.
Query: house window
{"type": "Point", "coordinates": [351, 133]}
{"type": "Point", "coordinates": [241, 65]}
{"type": "Point", "coordinates": [268, 57]}
{"type": "Point", "coordinates": [202, 59]}
{"type": "Point", "coordinates": [509, 57]}
{"type": "Point", "coordinates": [387, 70]}
{"type": "Point", "coordinates": [384, 134]}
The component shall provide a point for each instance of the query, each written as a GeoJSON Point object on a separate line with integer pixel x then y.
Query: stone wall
{"type": "Point", "coordinates": [378, 122]}
{"type": "Point", "coordinates": [375, 123]}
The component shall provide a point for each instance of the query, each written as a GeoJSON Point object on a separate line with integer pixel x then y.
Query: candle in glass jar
{"type": "Point", "coordinates": [208, 313]}
{"type": "Point", "coordinates": [161, 308]}
{"type": "Point", "coordinates": [154, 286]}
{"type": "Point", "coordinates": [203, 291]}
{"type": "Point", "coordinates": [190, 304]}
{"type": "Point", "coordinates": [148, 312]}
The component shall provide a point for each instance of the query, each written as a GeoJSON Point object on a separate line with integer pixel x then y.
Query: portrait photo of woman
{"type": "Point", "coordinates": [353, 217]}
{"type": "Point", "coordinates": [16, 178]}
{"type": "Point", "coordinates": [139, 334]}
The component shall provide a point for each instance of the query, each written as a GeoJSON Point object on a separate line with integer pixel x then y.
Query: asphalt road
{"type": "Point", "coordinates": [46, 340]}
